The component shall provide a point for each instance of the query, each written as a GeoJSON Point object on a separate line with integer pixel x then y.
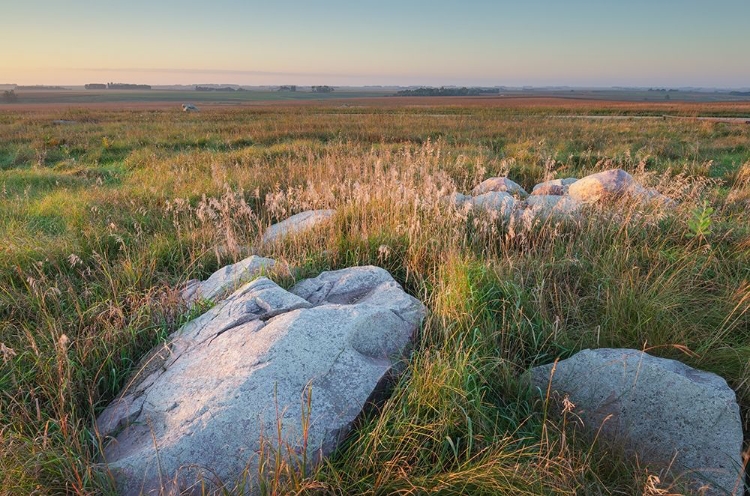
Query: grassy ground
{"type": "Point", "coordinates": [102, 218]}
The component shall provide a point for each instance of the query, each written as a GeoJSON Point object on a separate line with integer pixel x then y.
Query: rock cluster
{"type": "Point", "coordinates": [204, 404]}
{"type": "Point", "coordinates": [665, 412]}
{"type": "Point", "coordinates": [561, 199]}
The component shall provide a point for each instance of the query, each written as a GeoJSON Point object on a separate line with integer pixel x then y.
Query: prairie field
{"type": "Point", "coordinates": [105, 212]}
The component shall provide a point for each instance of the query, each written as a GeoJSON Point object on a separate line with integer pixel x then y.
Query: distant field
{"type": "Point", "coordinates": [552, 103]}
{"type": "Point", "coordinates": [164, 96]}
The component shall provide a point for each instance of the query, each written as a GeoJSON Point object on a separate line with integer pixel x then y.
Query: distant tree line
{"type": "Point", "coordinates": [10, 96]}
{"type": "Point", "coordinates": [211, 88]}
{"type": "Point", "coordinates": [663, 90]}
{"type": "Point", "coordinates": [40, 87]}
{"type": "Point", "coordinates": [443, 91]}
{"type": "Point", "coordinates": [322, 89]}
{"type": "Point", "coordinates": [291, 87]}
{"type": "Point", "coordinates": [117, 86]}
{"type": "Point", "coordinates": [126, 86]}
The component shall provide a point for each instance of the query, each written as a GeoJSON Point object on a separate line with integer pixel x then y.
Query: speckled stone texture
{"type": "Point", "coordinates": [660, 409]}
{"type": "Point", "coordinates": [225, 379]}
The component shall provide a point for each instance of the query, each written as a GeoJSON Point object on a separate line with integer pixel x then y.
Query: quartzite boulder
{"type": "Point", "coordinates": [225, 379]}
{"type": "Point", "coordinates": [499, 184]}
{"type": "Point", "coordinates": [296, 224]}
{"type": "Point", "coordinates": [662, 410]}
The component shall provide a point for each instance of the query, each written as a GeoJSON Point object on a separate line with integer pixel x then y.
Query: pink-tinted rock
{"type": "Point", "coordinates": [499, 184]}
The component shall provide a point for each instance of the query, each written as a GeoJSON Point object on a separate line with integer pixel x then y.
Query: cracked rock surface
{"type": "Point", "coordinates": [665, 412]}
{"type": "Point", "coordinates": [220, 385]}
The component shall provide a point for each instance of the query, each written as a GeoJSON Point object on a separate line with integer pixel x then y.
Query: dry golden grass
{"type": "Point", "coordinates": [103, 219]}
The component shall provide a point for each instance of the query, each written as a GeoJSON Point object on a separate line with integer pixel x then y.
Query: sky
{"type": "Point", "coordinates": [664, 43]}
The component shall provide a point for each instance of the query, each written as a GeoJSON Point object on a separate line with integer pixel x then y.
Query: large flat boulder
{"type": "Point", "coordinates": [667, 413]}
{"type": "Point", "coordinates": [501, 184]}
{"type": "Point", "coordinates": [299, 223]}
{"type": "Point", "coordinates": [220, 386]}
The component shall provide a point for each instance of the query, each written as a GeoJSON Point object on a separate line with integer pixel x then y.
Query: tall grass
{"type": "Point", "coordinates": [97, 245]}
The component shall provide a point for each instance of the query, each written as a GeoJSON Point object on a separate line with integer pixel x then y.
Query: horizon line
{"type": "Point", "coordinates": [374, 85]}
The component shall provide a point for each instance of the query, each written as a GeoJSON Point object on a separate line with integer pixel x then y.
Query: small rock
{"type": "Point", "coordinates": [650, 195]}
{"type": "Point", "coordinates": [662, 410]}
{"type": "Point", "coordinates": [501, 184]}
{"type": "Point", "coordinates": [549, 189]}
{"type": "Point", "coordinates": [296, 224]}
{"type": "Point", "coordinates": [563, 183]}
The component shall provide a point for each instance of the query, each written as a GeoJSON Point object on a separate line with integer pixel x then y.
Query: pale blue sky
{"type": "Point", "coordinates": [537, 42]}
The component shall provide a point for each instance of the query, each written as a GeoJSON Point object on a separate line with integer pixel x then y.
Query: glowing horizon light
{"type": "Point", "coordinates": [543, 43]}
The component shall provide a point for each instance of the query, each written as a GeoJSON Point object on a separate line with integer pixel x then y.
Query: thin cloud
{"type": "Point", "coordinates": [234, 72]}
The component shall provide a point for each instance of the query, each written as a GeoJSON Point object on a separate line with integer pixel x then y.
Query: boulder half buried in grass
{"type": "Point", "coordinates": [500, 184]}
{"type": "Point", "coordinates": [309, 359]}
{"type": "Point", "coordinates": [295, 224]}
{"type": "Point", "coordinates": [668, 414]}
{"type": "Point", "coordinates": [613, 184]}
{"type": "Point", "coordinates": [542, 208]}
{"type": "Point", "coordinates": [498, 201]}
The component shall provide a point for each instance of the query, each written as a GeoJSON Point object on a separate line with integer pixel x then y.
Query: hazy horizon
{"type": "Point", "coordinates": [582, 43]}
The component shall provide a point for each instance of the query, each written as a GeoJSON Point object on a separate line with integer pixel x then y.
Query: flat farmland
{"type": "Point", "coordinates": [614, 102]}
